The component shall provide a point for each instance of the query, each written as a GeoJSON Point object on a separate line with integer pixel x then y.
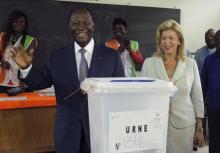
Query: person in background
{"type": "Point", "coordinates": [200, 56]}
{"type": "Point", "coordinates": [189, 54]}
{"type": "Point", "coordinates": [186, 106]}
{"type": "Point", "coordinates": [129, 49]}
{"type": "Point", "coordinates": [206, 50]}
{"type": "Point", "coordinates": [211, 91]}
{"type": "Point", "coordinates": [66, 69]}
{"type": "Point", "coordinates": [16, 33]}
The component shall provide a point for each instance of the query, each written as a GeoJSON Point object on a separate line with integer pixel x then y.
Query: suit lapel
{"type": "Point", "coordinates": [72, 65]}
{"type": "Point", "coordinates": [180, 69]}
{"type": "Point", "coordinates": [96, 61]}
{"type": "Point", "coordinates": [160, 69]}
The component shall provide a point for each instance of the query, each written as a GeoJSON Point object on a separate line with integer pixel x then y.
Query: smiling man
{"type": "Point", "coordinates": [66, 69]}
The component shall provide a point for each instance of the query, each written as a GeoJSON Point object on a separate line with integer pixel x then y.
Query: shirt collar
{"type": "Point", "coordinates": [211, 50]}
{"type": "Point", "coordinates": [89, 47]}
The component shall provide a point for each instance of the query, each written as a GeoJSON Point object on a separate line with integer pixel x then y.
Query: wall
{"type": "Point", "coordinates": [196, 15]}
{"type": "Point", "coordinates": [48, 23]}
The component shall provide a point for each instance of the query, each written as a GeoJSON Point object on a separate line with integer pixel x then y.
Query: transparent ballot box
{"type": "Point", "coordinates": [128, 114]}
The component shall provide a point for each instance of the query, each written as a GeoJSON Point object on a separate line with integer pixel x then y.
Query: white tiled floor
{"type": "Point", "coordinates": [203, 149]}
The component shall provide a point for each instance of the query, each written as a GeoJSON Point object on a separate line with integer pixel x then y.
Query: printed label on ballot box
{"type": "Point", "coordinates": [135, 131]}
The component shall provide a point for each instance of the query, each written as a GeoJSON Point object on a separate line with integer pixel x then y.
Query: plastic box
{"type": "Point", "coordinates": [128, 114]}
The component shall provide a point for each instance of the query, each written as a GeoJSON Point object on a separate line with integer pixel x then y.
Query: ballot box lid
{"type": "Point", "coordinates": [128, 84]}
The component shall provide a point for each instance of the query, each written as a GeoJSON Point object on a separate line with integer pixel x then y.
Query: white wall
{"type": "Point", "coordinates": [196, 15]}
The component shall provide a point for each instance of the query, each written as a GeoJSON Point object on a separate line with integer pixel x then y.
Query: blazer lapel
{"type": "Point", "coordinates": [96, 61]}
{"type": "Point", "coordinates": [180, 69]}
{"type": "Point", "coordinates": [160, 69]}
{"type": "Point", "coordinates": [72, 65]}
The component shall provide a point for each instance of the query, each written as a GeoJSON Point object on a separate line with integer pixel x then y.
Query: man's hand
{"type": "Point", "coordinates": [22, 58]}
{"type": "Point", "coordinates": [5, 65]}
{"type": "Point", "coordinates": [121, 48]}
{"type": "Point", "coordinates": [127, 44]}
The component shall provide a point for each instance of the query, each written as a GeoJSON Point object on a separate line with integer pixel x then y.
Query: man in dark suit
{"type": "Point", "coordinates": [63, 71]}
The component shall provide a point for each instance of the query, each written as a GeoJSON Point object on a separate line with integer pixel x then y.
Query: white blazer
{"type": "Point", "coordinates": [187, 103]}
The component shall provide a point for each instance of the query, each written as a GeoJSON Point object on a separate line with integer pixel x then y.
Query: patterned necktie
{"type": "Point", "coordinates": [83, 66]}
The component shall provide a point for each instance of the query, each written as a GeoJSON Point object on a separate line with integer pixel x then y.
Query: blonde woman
{"type": "Point", "coordinates": [186, 106]}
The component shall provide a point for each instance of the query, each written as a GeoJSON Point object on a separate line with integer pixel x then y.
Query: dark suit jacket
{"type": "Point", "coordinates": [61, 71]}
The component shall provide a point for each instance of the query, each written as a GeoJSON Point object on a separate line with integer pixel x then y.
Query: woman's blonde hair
{"type": "Point", "coordinates": [170, 25]}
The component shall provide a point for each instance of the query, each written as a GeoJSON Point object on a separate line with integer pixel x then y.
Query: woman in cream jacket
{"type": "Point", "coordinates": [186, 106]}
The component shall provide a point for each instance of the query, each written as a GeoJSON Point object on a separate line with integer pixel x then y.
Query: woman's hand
{"type": "Point", "coordinates": [199, 137]}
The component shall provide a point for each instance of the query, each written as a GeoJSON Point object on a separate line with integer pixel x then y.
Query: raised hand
{"type": "Point", "coordinates": [121, 48]}
{"type": "Point", "coordinates": [127, 44]}
{"type": "Point", "coordinates": [21, 57]}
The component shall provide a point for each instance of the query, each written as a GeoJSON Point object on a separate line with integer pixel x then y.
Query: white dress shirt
{"type": "Point", "coordinates": [88, 54]}
{"type": "Point", "coordinates": [127, 63]}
